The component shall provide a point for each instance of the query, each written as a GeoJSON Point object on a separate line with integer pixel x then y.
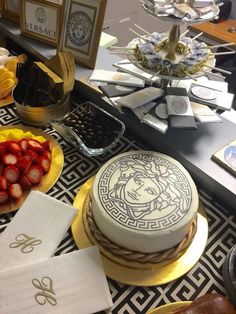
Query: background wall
{"type": "Point", "coordinates": [123, 14]}
{"type": "Point", "coordinates": [233, 12]}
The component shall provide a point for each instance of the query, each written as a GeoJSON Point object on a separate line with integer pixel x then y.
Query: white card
{"type": "Point", "coordinates": [116, 77]}
{"type": "Point", "coordinates": [141, 111]}
{"type": "Point", "coordinates": [140, 98]}
{"type": "Point", "coordinates": [35, 231]}
{"type": "Point", "coordinates": [132, 69]}
{"type": "Point", "coordinates": [160, 125]}
{"type": "Point", "coordinates": [204, 114]}
{"type": "Point", "coordinates": [73, 283]}
{"type": "Point", "coordinates": [178, 105]}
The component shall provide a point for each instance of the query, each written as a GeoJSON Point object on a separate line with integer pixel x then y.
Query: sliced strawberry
{"type": "Point", "coordinates": [14, 147]}
{"type": "Point", "coordinates": [1, 168]}
{"type": "Point", "coordinates": [9, 159]}
{"type": "Point", "coordinates": [24, 166]}
{"type": "Point", "coordinates": [35, 146]}
{"type": "Point", "coordinates": [25, 183]}
{"type": "Point", "coordinates": [6, 143]}
{"type": "Point", "coordinates": [23, 144]}
{"type": "Point", "coordinates": [2, 150]}
{"type": "Point", "coordinates": [47, 145]}
{"type": "Point", "coordinates": [3, 183]}
{"type": "Point", "coordinates": [32, 154]}
{"type": "Point", "coordinates": [24, 158]}
{"type": "Point", "coordinates": [15, 190]}
{"type": "Point", "coordinates": [44, 163]}
{"type": "Point", "coordinates": [34, 174]}
{"type": "Point", "coordinates": [47, 154]}
{"type": "Point", "coordinates": [3, 197]}
{"type": "Point", "coordinates": [11, 173]}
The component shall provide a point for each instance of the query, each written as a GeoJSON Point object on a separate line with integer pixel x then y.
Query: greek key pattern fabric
{"type": "Point", "coordinates": [204, 277]}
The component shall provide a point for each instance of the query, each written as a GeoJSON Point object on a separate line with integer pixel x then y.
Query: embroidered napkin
{"type": "Point", "coordinates": [71, 283]}
{"type": "Point", "coordinates": [36, 230]}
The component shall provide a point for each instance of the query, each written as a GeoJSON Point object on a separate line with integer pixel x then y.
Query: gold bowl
{"type": "Point", "coordinates": [41, 116]}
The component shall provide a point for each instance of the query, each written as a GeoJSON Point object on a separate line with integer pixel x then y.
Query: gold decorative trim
{"type": "Point", "coordinates": [26, 243]}
{"type": "Point", "coordinates": [133, 273]}
{"type": "Point", "coordinates": [167, 255]}
{"type": "Point", "coordinates": [47, 293]}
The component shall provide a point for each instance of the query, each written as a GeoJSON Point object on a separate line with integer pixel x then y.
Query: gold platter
{"type": "Point", "coordinates": [169, 308]}
{"type": "Point", "coordinates": [129, 272]}
{"type": "Point", "coordinates": [48, 180]}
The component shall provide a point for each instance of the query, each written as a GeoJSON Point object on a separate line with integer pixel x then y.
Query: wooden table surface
{"type": "Point", "coordinates": [218, 32]}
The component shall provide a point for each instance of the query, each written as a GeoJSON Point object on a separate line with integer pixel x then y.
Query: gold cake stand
{"type": "Point", "coordinates": [169, 308]}
{"type": "Point", "coordinates": [134, 273]}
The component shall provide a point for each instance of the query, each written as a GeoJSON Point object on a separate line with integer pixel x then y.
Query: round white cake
{"type": "Point", "coordinates": [144, 201]}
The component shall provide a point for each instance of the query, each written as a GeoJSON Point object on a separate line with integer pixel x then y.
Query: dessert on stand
{"type": "Point", "coordinates": [170, 58]}
{"type": "Point", "coordinates": [181, 11]}
{"type": "Point", "coordinates": [177, 55]}
{"type": "Point", "coordinates": [172, 55]}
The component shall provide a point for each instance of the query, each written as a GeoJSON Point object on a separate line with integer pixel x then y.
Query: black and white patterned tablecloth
{"type": "Point", "coordinates": [204, 277]}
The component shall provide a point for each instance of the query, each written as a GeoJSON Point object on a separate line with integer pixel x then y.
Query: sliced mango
{"type": "Point", "coordinates": [17, 134]}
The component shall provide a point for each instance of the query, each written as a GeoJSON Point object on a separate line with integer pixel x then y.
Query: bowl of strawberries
{"type": "Point", "coordinates": [29, 159]}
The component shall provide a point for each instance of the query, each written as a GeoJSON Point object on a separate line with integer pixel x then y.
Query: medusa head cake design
{"type": "Point", "coordinates": [141, 188]}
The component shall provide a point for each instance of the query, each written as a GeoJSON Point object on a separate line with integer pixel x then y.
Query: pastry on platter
{"type": "Point", "coordinates": [213, 303]}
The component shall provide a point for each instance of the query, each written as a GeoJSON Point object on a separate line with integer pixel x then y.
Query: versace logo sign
{"type": "Point", "coordinates": [145, 192]}
{"type": "Point", "coordinates": [25, 242]}
{"type": "Point", "coordinates": [41, 15]}
{"type": "Point", "coordinates": [46, 293]}
{"type": "Point", "coordinates": [79, 28]}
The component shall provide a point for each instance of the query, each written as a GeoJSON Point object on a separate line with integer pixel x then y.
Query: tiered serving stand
{"type": "Point", "coordinates": [174, 36]}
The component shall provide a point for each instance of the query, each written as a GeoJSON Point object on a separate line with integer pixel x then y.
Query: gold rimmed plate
{"type": "Point", "coordinates": [49, 179]}
{"type": "Point", "coordinates": [133, 273]}
{"type": "Point", "coordinates": [169, 308]}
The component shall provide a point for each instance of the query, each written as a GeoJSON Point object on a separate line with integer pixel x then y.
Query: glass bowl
{"type": "Point", "coordinates": [91, 129]}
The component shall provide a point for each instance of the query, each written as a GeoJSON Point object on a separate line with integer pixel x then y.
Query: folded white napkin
{"type": "Point", "coordinates": [36, 230]}
{"type": "Point", "coordinates": [67, 284]}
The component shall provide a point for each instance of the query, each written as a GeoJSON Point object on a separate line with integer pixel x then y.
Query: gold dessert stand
{"type": "Point", "coordinates": [174, 36]}
{"type": "Point", "coordinates": [134, 273]}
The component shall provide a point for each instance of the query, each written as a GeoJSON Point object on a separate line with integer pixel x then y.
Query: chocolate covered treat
{"type": "Point", "coordinates": [208, 304]}
{"type": "Point", "coordinates": [188, 56]}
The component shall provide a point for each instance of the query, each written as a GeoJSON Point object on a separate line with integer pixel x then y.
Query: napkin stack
{"type": "Point", "coordinates": [36, 230]}
{"type": "Point", "coordinates": [39, 282]}
{"type": "Point", "coordinates": [73, 283]}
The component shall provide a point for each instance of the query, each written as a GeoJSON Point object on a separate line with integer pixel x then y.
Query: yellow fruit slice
{"type": "Point", "coordinates": [17, 134]}
{"type": "Point", "coordinates": [12, 64]}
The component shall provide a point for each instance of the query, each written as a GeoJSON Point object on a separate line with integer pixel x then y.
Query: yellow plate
{"type": "Point", "coordinates": [169, 308]}
{"type": "Point", "coordinates": [128, 272]}
{"type": "Point", "coordinates": [49, 179]}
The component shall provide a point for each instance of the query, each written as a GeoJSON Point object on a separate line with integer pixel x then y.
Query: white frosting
{"type": "Point", "coordinates": [144, 201]}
